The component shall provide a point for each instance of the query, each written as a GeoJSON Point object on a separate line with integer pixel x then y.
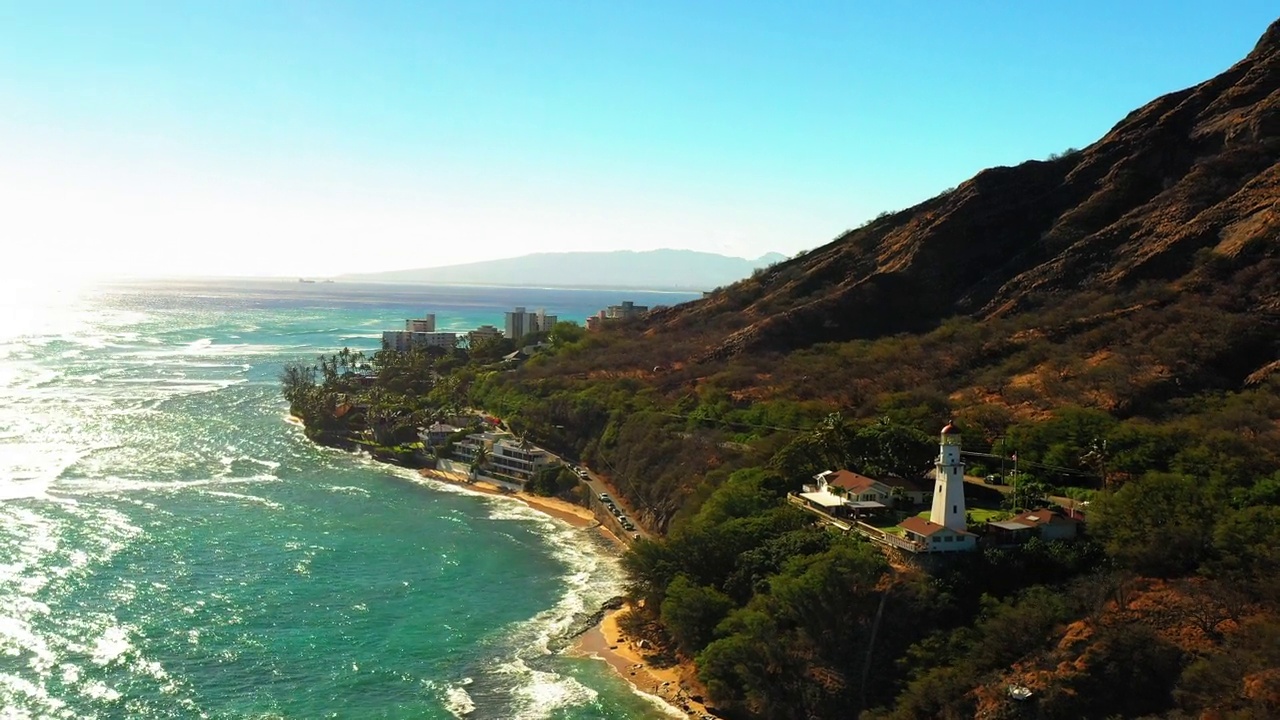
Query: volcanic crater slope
{"type": "Point", "coordinates": [1181, 194]}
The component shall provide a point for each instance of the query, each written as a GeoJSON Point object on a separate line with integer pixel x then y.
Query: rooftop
{"type": "Point", "coordinates": [849, 481]}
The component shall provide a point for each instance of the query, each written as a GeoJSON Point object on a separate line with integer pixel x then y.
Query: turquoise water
{"type": "Point", "coordinates": [171, 547]}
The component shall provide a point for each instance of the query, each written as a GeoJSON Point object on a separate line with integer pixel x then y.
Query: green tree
{"type": "Point", "coordinates": [690, 612]}
{"type": "Point", "coordinates": [1160, 524]}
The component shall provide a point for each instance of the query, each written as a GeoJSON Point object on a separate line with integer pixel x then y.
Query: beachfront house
{"type": "Point", "coordinates": [502, 456]}
{"type": "Point", "coordinates": [436, 434]}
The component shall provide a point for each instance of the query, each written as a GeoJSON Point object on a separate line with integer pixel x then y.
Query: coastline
{"type": "Point", "coordinates": [606, 641]}
{"type": "Point", "coordinates": [575, 515]}
{"type": "Point", "coordinates": [603, 641]}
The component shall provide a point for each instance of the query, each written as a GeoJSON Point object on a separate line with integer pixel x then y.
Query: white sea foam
{"type": "Point", "coordinates": [538, 694]}
{"type": "Point", "coordinates": [347, 490]}
{"type": "Point", "coordinates": [591, 575]}
{"type": "Point", "coordinates": [457, 701]}
{"type": "Point", "coordinates": [241, 496]}
{"type": "Point", "coordinates": [114, 485]}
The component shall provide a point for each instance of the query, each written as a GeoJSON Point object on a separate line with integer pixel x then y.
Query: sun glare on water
{"type": "Point", "coordinates": [48, 305]}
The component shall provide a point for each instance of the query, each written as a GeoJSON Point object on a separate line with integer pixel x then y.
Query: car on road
{"type": "Point", "coordinates": [604, 498]}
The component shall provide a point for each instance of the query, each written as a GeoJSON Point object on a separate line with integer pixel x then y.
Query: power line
{"type": "Point", "coordinates": [1032, 463]}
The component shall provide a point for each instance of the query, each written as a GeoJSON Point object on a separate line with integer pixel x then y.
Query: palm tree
{"type": "Point", "coordinates": [480, 461]}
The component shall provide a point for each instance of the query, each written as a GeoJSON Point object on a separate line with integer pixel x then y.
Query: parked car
{"type": "Point", "coordinates": [604, 498]}
{"type": "Point", "coordinates": [995, 480]}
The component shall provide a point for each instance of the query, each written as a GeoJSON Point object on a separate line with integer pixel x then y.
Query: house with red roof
{"type": "Point", "coordinates": [1044, 523]}
{"type": "Point", "coordinates": [931, 537]}
{"type": "Point", "coordinates": [853, 486]}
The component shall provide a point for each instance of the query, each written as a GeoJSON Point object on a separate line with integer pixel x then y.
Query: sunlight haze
{"type": "Point", "coordinates": [315, 139]}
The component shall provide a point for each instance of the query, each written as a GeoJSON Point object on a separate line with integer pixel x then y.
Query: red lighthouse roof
{"type": "Point", "coordinates": [950, 430]}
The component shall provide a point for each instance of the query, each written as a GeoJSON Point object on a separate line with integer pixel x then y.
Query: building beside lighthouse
{"type": "Point", "coordinates": [946, 529]}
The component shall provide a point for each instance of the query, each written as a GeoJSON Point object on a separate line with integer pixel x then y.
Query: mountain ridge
{"type": "Point", "coordinates": [1193, 171]}
{"type": "Point", "coordinates": [649, 269]}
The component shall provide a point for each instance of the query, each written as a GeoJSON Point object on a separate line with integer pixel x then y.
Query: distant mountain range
{"type": "Point", "coordinates": [651, 269]}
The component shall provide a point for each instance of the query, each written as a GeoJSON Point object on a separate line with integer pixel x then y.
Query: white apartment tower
{"type": "Point", "coordinates": [520, 323]}
{"type": "Point", "coordinates": [426, 324]}
{"type": "Point", "coordinates": [948, 497]}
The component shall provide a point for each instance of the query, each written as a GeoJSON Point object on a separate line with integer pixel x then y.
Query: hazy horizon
{"type": "Point", "coordinates": [317, 139]}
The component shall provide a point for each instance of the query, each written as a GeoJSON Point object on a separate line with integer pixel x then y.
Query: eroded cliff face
{"type": "Point", "coordinates": [1183, 192]}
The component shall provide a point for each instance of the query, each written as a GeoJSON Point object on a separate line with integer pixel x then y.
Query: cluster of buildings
{"type": "Point", "coordinates": [520, 323]}
{"type": "Point", "coordinates": [422, 333]}
{"type": "Point", "coordinates": [614, 313]}
{"type": "Point", "coordinates": [849, 499]}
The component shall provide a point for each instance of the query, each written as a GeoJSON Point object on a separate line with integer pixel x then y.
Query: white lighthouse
{"type": "Point", "coordinates": [948, 497]}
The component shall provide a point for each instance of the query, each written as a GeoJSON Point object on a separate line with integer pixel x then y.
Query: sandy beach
{"type": "Point", "coordinates": [575, 515]}
{"type": "Point", "coordinates": [607, 642]}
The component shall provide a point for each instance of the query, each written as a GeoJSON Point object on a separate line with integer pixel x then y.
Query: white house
{"type": "Point", "coordinates": [853, 486]}
{"type": "Point", "coordinates": [508, 458]}
{"type": "Point", "coordinates": [930, 537]}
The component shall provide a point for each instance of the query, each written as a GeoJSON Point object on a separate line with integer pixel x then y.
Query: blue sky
{"type": "Point", "coordinates": [313, 138]}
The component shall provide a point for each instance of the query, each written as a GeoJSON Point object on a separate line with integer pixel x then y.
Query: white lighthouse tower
{"type": "Point", "coordinates": [948, 496]}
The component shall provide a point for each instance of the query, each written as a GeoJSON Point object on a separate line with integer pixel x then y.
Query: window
{"type": "Point", "coordinates": [955, 509]}
{"type": "Point", "coordinates": [948, 538]}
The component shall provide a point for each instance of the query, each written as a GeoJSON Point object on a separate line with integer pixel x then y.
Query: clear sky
{"type": "Point", "coordinates": [314, 138]}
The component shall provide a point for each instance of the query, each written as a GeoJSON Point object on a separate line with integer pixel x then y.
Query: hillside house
{"type": "Point", "coordinates": [853, 486]}
{"type": "Point", "coordinates": [930, 537]}
{"type": "Point", "coordinates": [914, 490]}
{"type": "Point", "coordinates": [1044, 523]}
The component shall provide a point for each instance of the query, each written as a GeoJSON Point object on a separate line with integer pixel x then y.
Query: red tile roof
{"type": "Point", "coordinates": [920, 526]}
{"type": "Point", "coordinates": [1043, 516]}
{"type": "Point", "coordinates": [850, 481]}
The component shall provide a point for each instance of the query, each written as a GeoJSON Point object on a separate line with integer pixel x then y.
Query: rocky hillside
{"type": "Point", "coordinates": [1181, 193]}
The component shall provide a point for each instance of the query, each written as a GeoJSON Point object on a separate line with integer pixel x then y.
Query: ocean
{"type": "Point", "coordinates": [171, 547]}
